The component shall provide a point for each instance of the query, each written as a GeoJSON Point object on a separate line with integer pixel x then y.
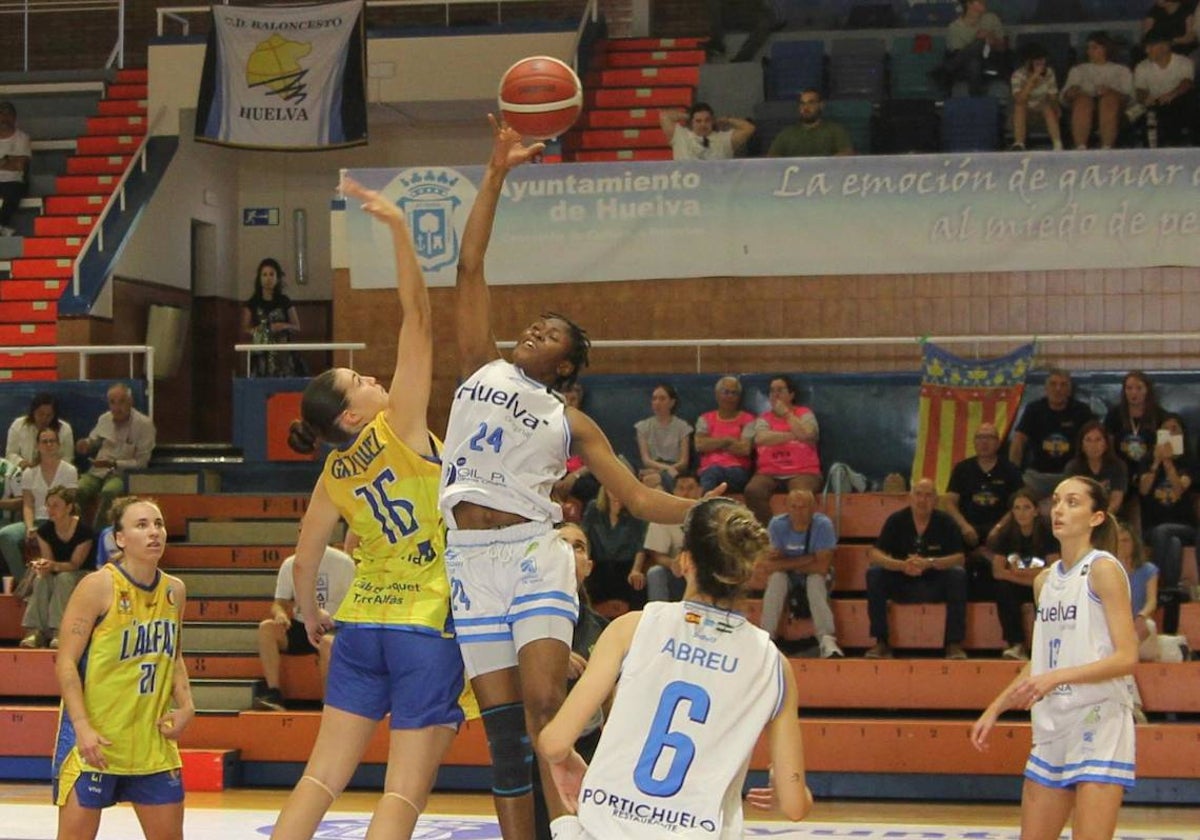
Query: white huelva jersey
{"type": "Point", "coordinates": [1071, 629]}
{"type": "Point", "coordinates": [506, 444]}
{"type": "Point", "coordinates": [696, 689]}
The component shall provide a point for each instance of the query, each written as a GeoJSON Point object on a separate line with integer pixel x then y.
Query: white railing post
{"type": "Point", "coordinates": [251, 349]}
{"type": "Point", "coordinates": [84, 351]}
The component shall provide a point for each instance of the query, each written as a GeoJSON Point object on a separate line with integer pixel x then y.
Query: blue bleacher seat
{"type": "Point", "coordinates": [855, 115]}
{"type": "Point", "coordinates": [930, 14]}
{"type": "Point", "coordinates": [856, 68]}
{"type": "Point", "coordinates": [794, 66]}
{"type": "Point", "coordinates": [970, 124]}
{"type": "Point", "coordinates": [907, 126]}
{"type": "Point", "coordinates": [912, 59]}
{"type": "Point", "coordinates": [770, 118]}
{"type": "Point", "coordinates": [871, 16]}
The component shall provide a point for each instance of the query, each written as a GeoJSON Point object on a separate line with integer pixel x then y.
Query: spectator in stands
{"type": "Point", "coordinates": [918, 558]}
{"type": "Point", "coordinates": [976, 48]}
{"type": "Point", "coordinates": [284, 633]}
{"type": "Point", "coordinates": [664, 439]}
{"type": "Point", "coordinates": [764, 21]}
{"type": "Point", "coordinates": [269, 317]}
{"type": "Point", "coordinates": [1133, 424]}
{"type": "Point", "coordinates": [977, 498]}
{"type": "Point", "coordinates": [122, 440]}
{"type": "Point", "coordinates": [578, 486]}
{"type": "Point", "coordinates": [1168, 511]}
{"type": "Point", "coordinates": [697, 134]}
{"type": "Point", "coordinates": [64, 545]}
{"type": "Point", "coordinates": [1176, 20]}
{"type": "Point", "coordinates": [48, 472]}
{"type": "Point", "coordinates": [1047, 433]}
{"type": "Point", "coordinates": [1163, 83]}
{"type": "Point", "coordinates": [664, 578]}
{"type": "Point", "coordinates": [22, 446]}
{"type": "Point", "coordinates": [1020, 548]}
{"type": "Point", "coordinates": [1035, 92]}
{"type": "Point", "coordinates": [1143, 590]}
{"type": "Point", "coordinates": [724, 439]}
{"type": "Point", "coordinates": [615, 539]}
{"type": "Point", "coordinates": [785, 441]}
{"type": "Point", "coordinates": [1096, 92]}
{"type": "Point", "coordinates": [14, 163]}
{"type": "Point", "coordinates": [813, 136]}
{"type": "Point", "coordinates": [1097, 460]}
{"type": "Point", "coordinates": [803, 541]}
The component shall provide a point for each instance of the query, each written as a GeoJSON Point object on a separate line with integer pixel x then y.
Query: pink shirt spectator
{"type": "Point", "coordinates": [786, 459]}
{"type": "Point", "coordinates": [711, 424]}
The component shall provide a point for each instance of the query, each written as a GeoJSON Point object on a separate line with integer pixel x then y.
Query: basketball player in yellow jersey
{"type": "Point", "coordinates": [119, 667]}
{"type": "Point", "coordinates": [395, 652]}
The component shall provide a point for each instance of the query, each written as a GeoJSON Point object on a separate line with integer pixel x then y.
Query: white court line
{"type": "Point", "coordinates": [37, 822]}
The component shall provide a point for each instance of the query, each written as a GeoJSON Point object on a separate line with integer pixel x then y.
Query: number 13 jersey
{"type": "Point", "coordinates": [507, 442]}
{"type": "Point", "coordinates": [696, 689]}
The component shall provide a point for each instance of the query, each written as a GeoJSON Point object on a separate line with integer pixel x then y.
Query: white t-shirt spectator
{"type": "Point", "coordinates": [686, 145]}
{"type": "Point", "coordinates": [1156, 80]}
{"type": "Point", "coordinates": [960, 34]}
{"type": "Point", "coordinates": [15, 146]}
{"type": "Point", "coordinates": [1090, 77]}
{"type": "Point", "coordinates": [334, 577]}
{"type": "Point", "coordinates": [1046, 90]}
{"type": "Point", "coordinates": [34, 482]}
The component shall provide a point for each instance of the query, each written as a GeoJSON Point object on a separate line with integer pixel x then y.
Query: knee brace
{"type": "Point", "coordinates": [512, 752]}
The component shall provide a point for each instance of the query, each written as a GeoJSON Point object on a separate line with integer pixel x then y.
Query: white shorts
{"type": "Point", "coordinates": [1099, 749]}
{"type": "Point", "coordinates": [508, 587]}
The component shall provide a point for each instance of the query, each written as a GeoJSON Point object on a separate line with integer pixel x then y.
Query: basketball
{"type": "Point", "coordinates": [540, 97]}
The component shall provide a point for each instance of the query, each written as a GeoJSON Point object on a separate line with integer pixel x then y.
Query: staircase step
{"type": "Point", "coordinates": [121, 107]}
{"type": "Point", "coordinates": [241, 533]}
{"type": "Point", "coordinates": [227, 609]}
{"type": "Point", "coordinates": [74, 205]}
{"type": "Point", "coordinates": [31, 289]}
{"type": "Point", "coordinates": [108, 126]}
{"type": "Point", "coordinates": [223, 695]}
{"type": "Point", "coordinates": [620, 118]}
{"type": "Point", "coordinates": [655, 58]}
{"type": "Point", "coordinates": [636, 44]}
{"type": "Point", "coordinates": [26, 361]}
{"type": "Point", "coordinates": [210, 770]}
{"type": "Point", "coordinates": [136, 91]}
{"type": "Point", "coordinates": [222, 636]}
{"type": "Point", "coordinates": [63, 225]}
{"type": "Point", "coordinates": [133, 76]}
{"type": "Point", "coordinates": [97, 164]}
{"type": "Point", "coordinates": [29, 375]}
{"type": "Point", "coordinates": [230, 583]}
{"type": "Point", "coordinates": [644, 77]}
{"type": "Point", "coordinates": [637, 97]}
{"type": "Point", "coordinates": [113, 144]}
{"type": "Point", "coordinates": [28, 334]}
{"type": "Point", "coordinates": [622, 155]}
{"type": "Point", "coordinates": [184, 556]}
{"type": "Point", "coordinates": [52, 246]}
{"type": "Point", "coordinates": [85, 184]}
{"type": "Point", "coordinates": [627, 138]}
{"type": "Point", "coordinates": [42, 269]}
{"type": "Point", "coordinates": [29, 312]}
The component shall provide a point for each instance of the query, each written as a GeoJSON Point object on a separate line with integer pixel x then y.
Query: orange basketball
{"type": "Point", "coordinates": [540, 97]}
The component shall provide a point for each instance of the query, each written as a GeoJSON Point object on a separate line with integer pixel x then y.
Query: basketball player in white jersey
{"type": "Point", "coordinates": [1084, 648]}
{"type": "Point", "coordinates": [696, 685]}
{"type": "Point", "coordinates": [512, 578]}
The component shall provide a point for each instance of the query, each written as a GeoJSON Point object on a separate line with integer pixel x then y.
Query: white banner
{"type": "Point", "coordinates": [284, 78]}
{"type": "Point", "coordinates": [780, 217]}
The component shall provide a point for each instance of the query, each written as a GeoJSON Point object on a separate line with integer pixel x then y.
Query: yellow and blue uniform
{"type": "Point", "coordinates": [388, 493]}
{"type": "Point", "coordinates": [128, 671]}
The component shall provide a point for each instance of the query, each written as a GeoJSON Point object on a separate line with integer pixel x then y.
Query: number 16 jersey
{"type": "Point", "coordinates": [696, 689]}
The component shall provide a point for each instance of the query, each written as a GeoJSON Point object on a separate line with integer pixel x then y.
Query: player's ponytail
{"type": "Point", "coordinates": [724, 539]}
{"type": "Point", "coordinates": [320, 408]}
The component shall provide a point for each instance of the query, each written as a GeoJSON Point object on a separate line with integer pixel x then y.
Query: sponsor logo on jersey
{"type": "Point", "coordinates": [511, 400]}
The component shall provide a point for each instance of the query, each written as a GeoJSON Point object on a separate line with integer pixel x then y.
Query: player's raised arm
{"type": "Point", "coordinates": [476, 341]}
{"type": "Point", "coordinates": [408, 396]}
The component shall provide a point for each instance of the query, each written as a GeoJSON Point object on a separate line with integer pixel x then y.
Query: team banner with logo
{"type": "Point", "coordinates": [956, 396]}
{"type": "Point", "coordinates": [284, 78]}
{"type": "Point", "coordinates": [778, 217]}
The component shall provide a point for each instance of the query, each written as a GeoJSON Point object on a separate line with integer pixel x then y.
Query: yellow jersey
{"type": "Point", "coordinates": [388, 494]}
{"type": "Point", "coordinates": [128, 672]}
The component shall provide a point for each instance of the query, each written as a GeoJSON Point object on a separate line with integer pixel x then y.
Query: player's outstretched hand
{"type": "Point", "coordinates": [568, 778]}
{"type": "Point", "coordinates": [507, 149]}
{"type": "Point", "coordinates": [373, 202]}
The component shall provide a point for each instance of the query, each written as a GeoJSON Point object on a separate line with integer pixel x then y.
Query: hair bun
{"type": "Point", "coordinates": [302, 438]}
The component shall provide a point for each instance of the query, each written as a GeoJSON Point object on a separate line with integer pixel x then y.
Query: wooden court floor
{"type": "Point", "coordinates": [25, 815]}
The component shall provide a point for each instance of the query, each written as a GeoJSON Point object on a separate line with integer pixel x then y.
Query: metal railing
{"type": "Point", "coordinates": [178, 14]}
{"type": "Point", "coordinates": [28, 8]}
{"type": "Point", "coordinates": [251, 349]}
{"type": "Point", "coordinates": [84, 351]}
{"type": "Point", "coordinates": [138, 159]}
{"type": "Point", "coordinates": [975, 340]}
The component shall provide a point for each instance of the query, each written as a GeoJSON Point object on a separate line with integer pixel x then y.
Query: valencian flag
{"type": "Point", "coordinates": [284, 78]}
{"type": "Point", "coordinates": [956, 396]}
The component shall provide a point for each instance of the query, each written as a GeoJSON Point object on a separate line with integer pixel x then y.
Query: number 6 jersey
{"type": "Point", "coordinates": [507, 442]}
{"type": "Point", "coordinates": [696, 689]}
